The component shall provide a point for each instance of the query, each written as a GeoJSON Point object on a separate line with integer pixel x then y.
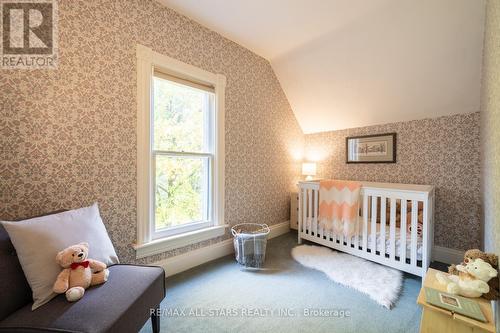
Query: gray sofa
{"type": "Point", "coordinates": [122, 304]}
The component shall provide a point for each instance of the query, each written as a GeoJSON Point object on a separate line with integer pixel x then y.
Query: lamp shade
{"type": "Point", "coordinates": [309, 169]}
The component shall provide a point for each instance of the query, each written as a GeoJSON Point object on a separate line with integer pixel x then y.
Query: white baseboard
{"type": "Point", "coordinates": [200, 256]}
{"type": "Point", "coordinates": [279, 229]}
{"type": "Point", "coordinates": [447, 255]}
{"type": "Point", "coordinates": [196, 257]}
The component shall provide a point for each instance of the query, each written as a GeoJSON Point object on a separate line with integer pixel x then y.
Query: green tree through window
{"type": "Point", "coordinates": [180, 125]}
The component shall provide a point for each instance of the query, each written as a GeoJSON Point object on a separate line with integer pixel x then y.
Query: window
{"type": "Point", "coordinates": [180, 153]}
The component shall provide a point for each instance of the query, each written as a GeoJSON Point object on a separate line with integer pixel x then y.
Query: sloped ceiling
{"type": "Point", "coordinates": [351, 63]}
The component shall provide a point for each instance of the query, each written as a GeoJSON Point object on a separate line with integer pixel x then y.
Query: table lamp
{"type": "Point", "coordinates": [309, 170]}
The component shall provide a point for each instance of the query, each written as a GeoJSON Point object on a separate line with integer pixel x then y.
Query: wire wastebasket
{"type": "Point", "coordinates": [250, 240]}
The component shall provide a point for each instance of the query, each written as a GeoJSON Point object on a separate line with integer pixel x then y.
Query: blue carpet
{"type": "Point", "coordinates": [221, 296]}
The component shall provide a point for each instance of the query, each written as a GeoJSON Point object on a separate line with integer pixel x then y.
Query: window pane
{"type": "Point", "coordinates": [181, 117]}
{"type": "Point", "coordinates": [181, 190]}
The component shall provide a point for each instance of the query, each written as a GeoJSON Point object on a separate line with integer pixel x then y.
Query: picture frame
{"type": "Point", "coordinates": [450, 300]}
{"type": "Point", "coordinates": [376, 148]}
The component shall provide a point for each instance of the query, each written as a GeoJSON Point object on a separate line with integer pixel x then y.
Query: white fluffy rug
{"type": "Point", "coordinates": [381, 283]}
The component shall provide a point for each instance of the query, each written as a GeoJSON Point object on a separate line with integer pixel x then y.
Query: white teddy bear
{"type": "Point", "coordinates": [472, 281]}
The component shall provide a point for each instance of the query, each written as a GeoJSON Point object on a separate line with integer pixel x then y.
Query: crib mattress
{"type": "Point", "coordinates": [398, 243]}
{"type": "Point", "coordinates": [387, 242]}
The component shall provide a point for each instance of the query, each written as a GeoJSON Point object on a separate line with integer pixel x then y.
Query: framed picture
{"type": "Point", "coordinates": [450, 300]}
{"type": "Point", "coordinates": [379, 148]}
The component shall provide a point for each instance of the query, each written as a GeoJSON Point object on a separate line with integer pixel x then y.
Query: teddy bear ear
{"type": "Point", "coordinates": [59, 257]}
{"type": "Point", "coordinates": [493, 259]}
{"type": "Point", "coordinates": [472, 253]}
{"type": "Point", "coordinates": [84, 244]}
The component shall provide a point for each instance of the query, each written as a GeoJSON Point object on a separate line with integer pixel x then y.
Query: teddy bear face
{"type": "Point", "coordinates": [72, 254]}
{"type": "Point", "coordinates": [480, 269]}
{"type": "Point", "coordinates": [475, 253]}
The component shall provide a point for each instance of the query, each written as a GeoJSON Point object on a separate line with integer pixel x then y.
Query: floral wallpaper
{"type": "Point", "coordinates": [444, 152]}
{"type": "Point", "coordinates": [68, 136]}
{"type": "Point", "coordinates": [490, 124]}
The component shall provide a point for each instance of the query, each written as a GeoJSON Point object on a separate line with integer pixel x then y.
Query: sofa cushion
{"type": "Point", "coordinates": [38, 240]}
{"type": "Point", "coordinates": [122, 304]}
{"type": "Point", "coordinates": [14, 289]}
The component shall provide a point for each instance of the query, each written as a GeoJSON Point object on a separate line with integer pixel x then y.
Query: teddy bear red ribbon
{"type": "Point", "coordinates": [84, 264]}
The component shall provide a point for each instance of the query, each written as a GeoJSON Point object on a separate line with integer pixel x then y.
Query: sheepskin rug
{"type": "Point", "coordinates": [381, 283]}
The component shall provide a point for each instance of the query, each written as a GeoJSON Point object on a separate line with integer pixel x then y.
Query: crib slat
{"type": "Point", "coordinates": [350, 241]}
{"type": "Point", "coordinates": [430, 224]}
{"type": "Point", "coordinates": [347, 240]}
{"type": "Point", "coordinates": [402, 232]}
{"type": "Point", "coordinates": [309, 210]}
{"type": "Point", "coordinates": [383, 222]}
{"type": "Point", "coordinates": [425, 235]}
{"type": "Point", "coordinates": [365, 221]}
{"type": "Point", "coordinates": [299, 216]}
{"type": "Point", "coordinates": [392, 229]}
{"type": "Point", "coordinates": [355, 239]}
{"type": "Point", "coordinates": [356, 232]}
{"type": "Point", "coordinates": [315, 211]}
{"type": "Point", "coordinates": [373, 231]}
{"type": "Point", "coordinates": [300, 210]}
{"type": "Point", "coordinates": [306, 227]}
{"type": "Point", "coordinates": [414, 221]}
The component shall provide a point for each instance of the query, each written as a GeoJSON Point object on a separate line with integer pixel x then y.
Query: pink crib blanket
{"type": "Point", "coordinates": [338, 206]}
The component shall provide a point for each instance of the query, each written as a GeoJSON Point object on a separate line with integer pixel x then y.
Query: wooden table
{"type": "Point", "coordinates": [435, 319]}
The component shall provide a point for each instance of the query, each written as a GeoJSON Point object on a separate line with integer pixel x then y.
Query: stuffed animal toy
{"type": "Point", "coordinates": [420, 216]}
{"type": "Point", "coordinates": [490, 258]}
{"type": "Point", "coordinates": [472, 281]}
{"type": "Point", "coordinates": [420, 223]}
{"type": "Point", "coordinates": [79, 272]}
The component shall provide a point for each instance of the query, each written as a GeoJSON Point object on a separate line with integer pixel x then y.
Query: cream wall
{"type": "Point", "coordinates": [354, 63]}
{"type": "Point", "coordinates": [69, 135]}
{"type": "Point", "coordinates": [444, 152]}
{"type": "Point", "coordinates": [490, 128]}
{"type": "Point", "coordinates": [395, 60]}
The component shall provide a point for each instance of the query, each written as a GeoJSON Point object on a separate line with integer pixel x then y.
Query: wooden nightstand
{"type": "Point", "coordinates": [294, 210]}
{"type": "Point", "coordinates": [438, 320]}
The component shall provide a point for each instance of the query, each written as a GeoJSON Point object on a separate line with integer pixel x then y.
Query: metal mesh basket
{"type": "Point", "coordinates": [250, 240]}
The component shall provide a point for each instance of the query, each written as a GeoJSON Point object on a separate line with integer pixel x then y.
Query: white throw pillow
{"type": "Point", "coordinates": [38, 240]}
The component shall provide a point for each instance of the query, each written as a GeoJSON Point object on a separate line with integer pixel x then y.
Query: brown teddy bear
{"type": "Point", "coordinates": [490, 258]}
{"type": "Point", "coordinates": [409, 207]}
{"type": "Point", "coordinates": [79, 272]}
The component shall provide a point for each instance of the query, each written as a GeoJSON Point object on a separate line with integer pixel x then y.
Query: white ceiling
{"type": "Point", "coordinates": [350, 63]}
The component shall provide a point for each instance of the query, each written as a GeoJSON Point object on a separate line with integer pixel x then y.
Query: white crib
{"type": "Point", "coordinates": [379, 202]}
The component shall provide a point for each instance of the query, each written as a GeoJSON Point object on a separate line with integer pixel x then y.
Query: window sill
{"type": "Point", "coordinates": [176, 241]}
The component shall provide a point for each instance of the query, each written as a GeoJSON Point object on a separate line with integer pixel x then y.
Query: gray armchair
{"type": "Point", "coordinates": [122, 304]}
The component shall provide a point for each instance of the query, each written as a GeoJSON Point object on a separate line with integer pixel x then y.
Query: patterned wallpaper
{"type": "Point", "coordinates": [69, 135]}
{"type": "Point", "coordinates": [443, 152]}
{"type": "Point", "coordinates": [490, 115]}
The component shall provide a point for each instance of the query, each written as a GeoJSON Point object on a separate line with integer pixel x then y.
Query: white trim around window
{"type": "Point", "coordinates": [147, 62]}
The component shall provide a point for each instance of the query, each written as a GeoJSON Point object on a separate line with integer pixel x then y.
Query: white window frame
{"type": "Point", "coordinates": [208, 153]}
{"type": "Point", "coordinates": [147, 61]}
